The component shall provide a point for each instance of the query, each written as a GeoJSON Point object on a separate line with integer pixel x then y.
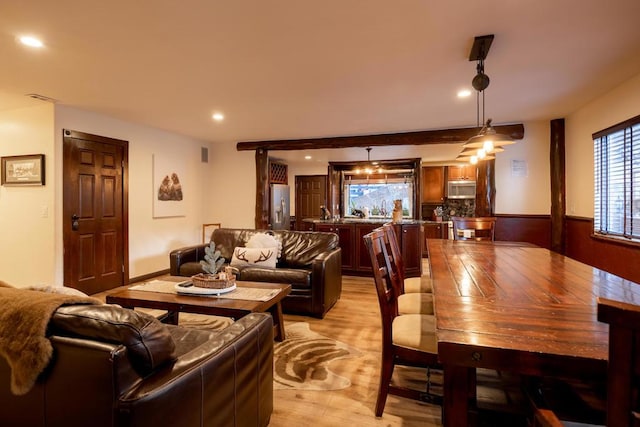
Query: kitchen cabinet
{"type": "Point", "coordinates": [345, 237]}
{"type": "Point", "coordinates": [410, 239]}
{"type": "Point", "coordinates": [355, 257]}
{"type": "Point", "coordinates": [434, 230]}
{"type": "Point", "coordinates": [461, 173]}
{"type": "Point", "coordinates": [363, 261]}
{"type": "Point", "coordinates": [433, 184]}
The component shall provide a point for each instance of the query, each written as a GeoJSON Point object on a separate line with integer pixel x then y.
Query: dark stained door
{"type": "Point", "coordinates": [311, 193]}
{"type": "Point", "coordinates": [94, 217]}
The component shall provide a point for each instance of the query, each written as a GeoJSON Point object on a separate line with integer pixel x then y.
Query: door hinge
{"type": "Point", "coordinates": [123, 268]}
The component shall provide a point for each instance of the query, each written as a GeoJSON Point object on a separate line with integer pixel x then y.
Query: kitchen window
{"type": "Point", "coordinates": [376, 196]}
{"type": "Point", "coordinates": [617, 180]}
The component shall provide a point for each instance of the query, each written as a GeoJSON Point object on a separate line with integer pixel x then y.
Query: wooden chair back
{"type": "Point", "coordinates": [395, 258]}
{"type": "Point", "coordinates": [387, 295]}
{"type": "Point", "coordinates": [477, 228]}
{"type": "Point", "coordinates": [623, 375]}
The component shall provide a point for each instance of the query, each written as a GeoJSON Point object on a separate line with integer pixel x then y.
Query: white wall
{"type": "Point", "coordinates": [620, 104]}
{"type": "Point", "coordinates": [230, 189]}
{"type": "Point", "coordinates": [150, 239]}
{"type": "Point", "coordinates": [26, 213]}
{"type": "Point", "coordinates": [530, 194]}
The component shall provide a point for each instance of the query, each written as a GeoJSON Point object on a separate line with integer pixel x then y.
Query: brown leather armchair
{"type": "Point", "coordinates": [310, 263]}
{"type": "Point", "coordinates": [117, 367]}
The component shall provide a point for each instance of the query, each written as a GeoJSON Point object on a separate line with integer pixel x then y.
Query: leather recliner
{"type": "Point", "coordinates": [310, 263]}
{"type": "Point", "coordinates": [116, 367]}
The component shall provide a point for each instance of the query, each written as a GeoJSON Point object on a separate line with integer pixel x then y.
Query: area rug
{"type": "Point", "coordinates": [301, 361]}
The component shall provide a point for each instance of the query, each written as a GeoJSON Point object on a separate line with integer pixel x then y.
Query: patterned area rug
{"type": "Point", "coordinates": [302, 360]}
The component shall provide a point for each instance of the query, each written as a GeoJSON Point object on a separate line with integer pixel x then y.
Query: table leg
{"type": "Point", "coordinates": [458, 384]}
{"type": "Point", "coordinates": [170, 317]}
{"type": "Point", "coordinates": [278, 322]}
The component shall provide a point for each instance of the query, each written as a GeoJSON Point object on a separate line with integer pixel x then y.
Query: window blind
{"type": "Point", "coordinates": [617, 180]}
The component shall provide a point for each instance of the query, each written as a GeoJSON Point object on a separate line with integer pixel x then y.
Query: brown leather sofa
{"type": "Point", "coordinates": [117, 367]}
{"type": "Point", "coordinates": [310, 262]}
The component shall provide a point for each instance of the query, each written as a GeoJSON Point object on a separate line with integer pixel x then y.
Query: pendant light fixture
{"type": "Point", "coordinates": [487, 142]}
{"type": "Point", "coordinates": [370, 167]}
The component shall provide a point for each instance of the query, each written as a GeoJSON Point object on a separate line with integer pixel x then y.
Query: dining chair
{"type": "Point", "coordinates": [408, 302]}
{"type": "Point", "coordinates": [623, 375]}
{"type": "Point", "coordinates": [474, 228]}
{"type": "Point", "coordinates": [408, 339]}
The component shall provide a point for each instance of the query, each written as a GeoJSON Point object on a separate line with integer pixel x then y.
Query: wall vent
{"type": "Point", "coordinates": [41, 97]}
{"type": "Point", "coordinates": [204, 155]}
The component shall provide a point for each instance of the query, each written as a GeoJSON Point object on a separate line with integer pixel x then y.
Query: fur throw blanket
{"type": "Point", "coordinates": [24, 317]}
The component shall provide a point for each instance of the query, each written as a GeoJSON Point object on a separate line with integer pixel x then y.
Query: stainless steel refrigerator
{"type": "Point", "coordinates": [279, 207]}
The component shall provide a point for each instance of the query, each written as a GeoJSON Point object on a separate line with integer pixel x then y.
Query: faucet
{"type": "Point", "coordinates": [383, 208]}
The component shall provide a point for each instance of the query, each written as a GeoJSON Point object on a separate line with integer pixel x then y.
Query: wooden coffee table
{"type": "Point", "coordinates": [212, 305]}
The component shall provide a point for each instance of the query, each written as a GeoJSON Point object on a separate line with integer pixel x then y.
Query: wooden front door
{"type": "Point", "coordinates": [94, 212]}
{"type": "Point", "coordinates": [311, 193]}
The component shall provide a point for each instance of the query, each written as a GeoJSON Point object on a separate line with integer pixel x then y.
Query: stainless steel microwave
{"type": "Point", "coordinates": [461, 189]}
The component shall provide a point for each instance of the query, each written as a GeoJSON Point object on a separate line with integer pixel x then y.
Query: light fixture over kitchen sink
{"type": "Point", "coordinates": [487, 142]}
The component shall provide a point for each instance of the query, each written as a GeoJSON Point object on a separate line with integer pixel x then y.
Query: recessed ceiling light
{"type": "Point", "coordinates": [307, 157]}
{"type": "Point", "coordinates": [464, 93]}
{"type": "Point", "coordinates": [218, 117]}
{"type": "Point", "coordinates": [31, 41]}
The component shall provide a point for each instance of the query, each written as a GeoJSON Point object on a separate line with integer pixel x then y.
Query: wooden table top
{"type": "Point", "coordinates": [520, 301]}
{"type": "Point", "coordinates": [126, 296]}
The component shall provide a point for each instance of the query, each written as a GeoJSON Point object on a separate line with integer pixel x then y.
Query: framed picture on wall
{"type": "Point", "coordinates": [23, 170]}
{"type": "Point", "coordinates": [168, 187]}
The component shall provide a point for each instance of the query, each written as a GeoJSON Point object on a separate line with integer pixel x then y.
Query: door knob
{"type": "Point", "coordinates": [74, 222]}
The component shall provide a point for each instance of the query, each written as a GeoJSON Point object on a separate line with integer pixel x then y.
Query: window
{"type": "Point", "coordinates": [377, 195]}
{"type": "Point", "coordinates": [617, 180]}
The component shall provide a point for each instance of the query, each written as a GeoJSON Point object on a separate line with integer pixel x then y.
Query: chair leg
{"type": "Point", "coordinates": [386, 371]}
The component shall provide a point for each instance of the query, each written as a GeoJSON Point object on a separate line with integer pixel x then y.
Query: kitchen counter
{"type": "Point", "coordinates": [355, 257]}
{"type": "Point", "coordinates": [364, 221]}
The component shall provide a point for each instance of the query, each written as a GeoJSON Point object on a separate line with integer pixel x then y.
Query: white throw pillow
{"type": "Point", "coordinates": [264, 240]}
{"type": "Point", "coordinates": [259, 257]}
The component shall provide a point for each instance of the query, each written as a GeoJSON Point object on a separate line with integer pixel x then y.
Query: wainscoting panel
{"type": "Point", "coordinates": [620, 259]}
{"type": "Point", "coordinates": [534, 229]}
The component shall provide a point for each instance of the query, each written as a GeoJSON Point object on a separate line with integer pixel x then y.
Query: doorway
{"type": "Point", "coordinates": [95, 211]}
{"type": "Point", "coordinates": [311, 193]}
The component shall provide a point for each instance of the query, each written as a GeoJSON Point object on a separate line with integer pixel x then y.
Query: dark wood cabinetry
{"type": "Point", "coordinates": [433, 184]}
{"type": "Point", "coordinates": [345, 236]}
{"type": "Point", "coordinates": [355, 257]}
{"type": "Point", "coordinates": [410, 236]}
{"type": "Point", "coordinates": [363, 261]}
{"type": "Point", "coordinates": [434, 230]}
{"type": "Point", "coordinates": [461, 173]}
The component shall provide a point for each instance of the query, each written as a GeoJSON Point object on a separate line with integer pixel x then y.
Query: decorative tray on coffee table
{"type": "Point", "coordinates": [195, 290]}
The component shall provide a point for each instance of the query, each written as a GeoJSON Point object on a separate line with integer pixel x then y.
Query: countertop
{"type": "Point", "coordinates": [364, 221]}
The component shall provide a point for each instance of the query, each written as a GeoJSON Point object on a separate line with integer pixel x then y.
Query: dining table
{"type": "Point", "coordinates": [518, 308]}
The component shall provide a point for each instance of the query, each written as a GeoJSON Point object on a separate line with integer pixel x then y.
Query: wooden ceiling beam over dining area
{"type": "Point", "coordinates": [440, 136]}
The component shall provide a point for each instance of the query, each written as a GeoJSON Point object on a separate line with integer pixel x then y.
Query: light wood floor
{"type": "Point", "coordinates": [355, 319]}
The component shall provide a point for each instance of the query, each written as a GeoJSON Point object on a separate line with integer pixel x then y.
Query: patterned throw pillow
{"type": "Point", "coordinates": [259, 257]}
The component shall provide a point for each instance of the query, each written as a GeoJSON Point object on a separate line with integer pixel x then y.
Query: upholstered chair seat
{"type": "Point", "coordinates": [415, 331]}
{"type": "Point", "coordinates": [417, 303]}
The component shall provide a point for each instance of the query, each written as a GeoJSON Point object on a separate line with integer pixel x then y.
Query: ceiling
{"type": "Point", "coordinates": [291, 69]}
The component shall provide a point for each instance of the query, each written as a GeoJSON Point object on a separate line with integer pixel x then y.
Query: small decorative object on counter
{"type": "Point", "coordinates": [324, 213]}
{"type": "Point", "coordinates": [437, 213]}
{"type": "Point", "coordinates": [397, 211]}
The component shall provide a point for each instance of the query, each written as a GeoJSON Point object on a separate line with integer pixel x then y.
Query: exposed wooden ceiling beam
{"type": "Point", "coordinates": [441, 136]}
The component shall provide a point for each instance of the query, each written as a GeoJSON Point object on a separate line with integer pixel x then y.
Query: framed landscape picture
{"type": "Point", "coordinates": [23, 170]}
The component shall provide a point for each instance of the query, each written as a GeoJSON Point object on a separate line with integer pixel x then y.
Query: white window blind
{"type": "Point", "coordinates": [617, 180]}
